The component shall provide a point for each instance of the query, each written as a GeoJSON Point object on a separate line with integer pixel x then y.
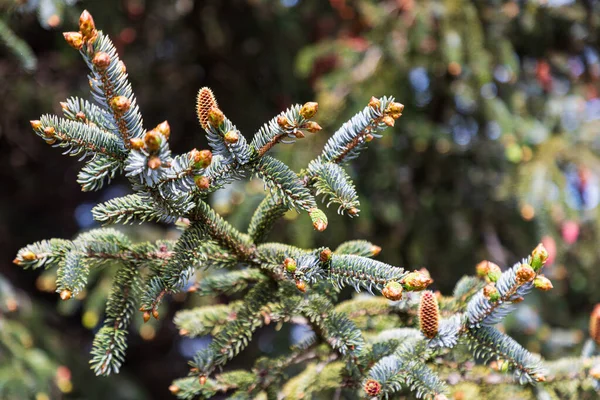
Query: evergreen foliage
{"type": "Point", "coordinates": [275, 282]}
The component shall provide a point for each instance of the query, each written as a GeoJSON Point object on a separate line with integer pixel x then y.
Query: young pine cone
{"type": "Point", "coordinates": [429, 314]}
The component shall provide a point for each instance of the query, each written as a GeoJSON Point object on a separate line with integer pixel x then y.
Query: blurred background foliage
{"type": "Point", "coordinates": [497, 150]}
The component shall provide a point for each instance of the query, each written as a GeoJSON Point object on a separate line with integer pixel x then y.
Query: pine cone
{"type": "Point", "coordinates": [595, 324]}
{"type": "Point", "coordinates": [429, 314]}
{"type": "Point", "coordinates": [204, 102]}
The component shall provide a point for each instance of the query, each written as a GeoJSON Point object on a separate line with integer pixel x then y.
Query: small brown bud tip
{"type": "Point", "coordinates": [136, 143]}
{"type": "Point", "coordinates": [374, 103]}
{"type": "Point", "coordinates": [231, 137]}
{"type": "Point", "coordinates": [517, 300]}
{"type": "Point", "coordinates": [312, 127]}
{"type": "Point", "coordinates": [595, 372]}
{"type": "Point", "coordinates": [325, 255]}
{"type": "Point", "coordinates": [28, 256]}
{"type": "Point", "coordinates": [192, 289]}
{"type": "Point", "coordinates": [309, 110]}
{"type": "Point", "coordinates": [539, 256]}
{"type": "Point", "coordinates": [174, 389]}
{"type": "Point", "coordinates": [395, 108]}
{"type": "Point", "coordinates": [49, 131]}
{"type": "Point", "coordinates": [64, 105]}
{"type": "Point", "coordinates": [202, 159]}
{"type": "Point", "coordinates": [164, 129]}
{"type": "Point", "coordinates": [101, 60]}
{"type": "Point", "coordinates": [183, 332]}
{"type": "Point", "coordinates": [66, 294]}
{"type": "Point", "coordinates": [375, 250]}
{"type": "Point", "coordinates": [494, 272]}
{"type": "Point", "coordinates": [215, 117]}
{"type": "Point", "coordinates": [389, 121]}
{"type": "Point", "coordinates": [542, 283]}
{"type": "Point", "coordinates": [301, 285]}
{"type": "Point", "coordinates": [539, 378]}
{"type": "Point", "coordinates": [120, 104]}
{"type": "Point", "coordinates": [202, 380]}
{"type": "Point", "coordinates": [320, 225]}
{"type": "Point", "coordinates": [154, 162]}
{"type": "Point", "coordinates": [202, 182]}
{"type": "Point", "coordinates": [525, 274]}
{"type": "Point", "coordinates": [417, 280]}
{"type": "Point", "coordinates": [36, 124]}
{"type": "Point", "coordinates": [146, 316]}
{"type": "Point", "coordinates": [155, 313]}
{"type": "Point", "coordinates": [122, 66]}
{"type": "Point", "coordinates": [290, 265]}
{"type": "Point", "coordinates": [429, 314]}
{"type": "Point", "coordinates": [283, 122]}
{"type": "Point", "coordinates": [152, 140]}
{"type": "Point", "coordinates": [595, 324]}
{"type": "Point", "coordinates": [299, 134]}
{"type": "Point", "coordinates": [392, 291]}
{"type": "Point", "coordinates": [369, 138]}
{"type": "Point", "coordinates": [353, 211]}
{"type": "Point", "coordinates": [75, 39]}
{"type": "Point", "coordinates": [372, 387]}
{"type": "Point", "coordinates": [17, 261]}
{"type": "Point", "coordinates": [80, 116]}
{"type": "Point", "coordinates": [491, 293]}
{"type": "Point", "coordinates": [86, 24]}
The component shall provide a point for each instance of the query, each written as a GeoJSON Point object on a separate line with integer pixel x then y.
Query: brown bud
{"type": "Point", "coordinates": [595, 324]}
{"type": "Point", "coordinates": [66, 294]}
{"type": "Point", "coordinates": [155, 313]}
{"type": "Point", "coordinates": [416, 280]}
{"type": "Point", "coordinates": [136, 143]}
{"type": "Point", "coordinates": [146, 316]}
{"type": "Point", "coordinates": [309, 110]}
{"type": "Point", "coordinates": [389, 121]}
{"type": "Point", "coordinates": [202, 380]}
{"type": "Point", "coordinates": [28, 256]}
{"type": "Point", "coordinates": [394, 108]}
{"type": "Point", "coordinates": [375, 250]}
{"type": "Point", "coordinates": [290, 265]}
{"type": "Point", "coordinates": [231, 137]}
{"type": "Point", "coordinates": [86, 25]}
{"type": "Point", "coordinates": [429, 314]}
{"type": "Point", "coordinates": [374, 103]}
{"type": "Point", "coordinates": [299, 134]}
{"type": "Point", "coordinates": [49, 131]}
{"type": "Point", "coordinates": [101, 60]}
{"type": "Point", "coordinates": [320, 225]}
{"type": "Point", "coordinates": [164, 129]}
{"type": "Point", "coordinates": [301, 285]}
{"type": "Point", "coordinates": [204, 102]}
{"type": "Point", "coordinates": [525, 274]}
{"type": "Point", "coordinates": [64, 105]}
{"type": "Point", "coordinates": [122, 66]}
{"type": "Point", "coordinates": [17, 261]}
{"type": "Point", "coordinates": [539, 377]}
{"type": "Point", "coordinates": [174, 389]}
{"type": "Point", "coordinates": [283, 122]}
{"type": "Point", "coordinates": [325, 255]}
{"type": "Point", "coordinates": [75, 39]}
{"type": "Point", "coordinates": [392, 291]}
{"type": "Point", "coordinates": [152, 140]}
{"type": "Point", "coordinates": [183, 332]}
{"type": "Point", "coordinates": [352, 211]}
{"type": "Point", "coordinates": [120, 104]}
{"type": "Point", "coordinates": [36, 124]}
{"type": "Point", "coordinates": [154, 162]}
{"type": "Point", "coordinates": [215, 117]}
{"type": "Point", "coordinates": [491, 293]}
{"type": "Point", "coordinates": [80, 116]}
{"type": "Point", "coordinates": [202, 182]}
{"type": "Point", "coordinates": [542, 283]}
{"type": "Point", "coordinates": [372, 387]}
{"type": "Point", "coordinates": [539, 256]}
{"type": "Point", "coordinates": [517, 299]}
{"type": "Point", "coordinates": [201, 159]}
{"type": "Point", "coordinates": [369, 137]}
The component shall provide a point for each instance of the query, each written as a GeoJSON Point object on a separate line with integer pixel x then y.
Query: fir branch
{"type": "Point", "coordinates": [360, 248]}
{"type": "Point", "coordinates": [266, 214]}
{"type": "Point", "coordinates": [18, 47]}
{"type": "Point", "coordinates": [78, 138]}
{"type": "Point", "coordinates": [98, 171]}
{"type": "Point", "coordinates": [110, 343]}
{"type": "Point", "coordinates": [361, 272]}
{"type": "Point", "coordinates": [331, 181]}
{"type": "Point", "coordinates": [128, 208]}
{"type": "Point", "coordinates": [487, 342]}
{"type": "Point", "coordinates": [77, 109]}
{"type": "Point", "coordinates": [205, 320]}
